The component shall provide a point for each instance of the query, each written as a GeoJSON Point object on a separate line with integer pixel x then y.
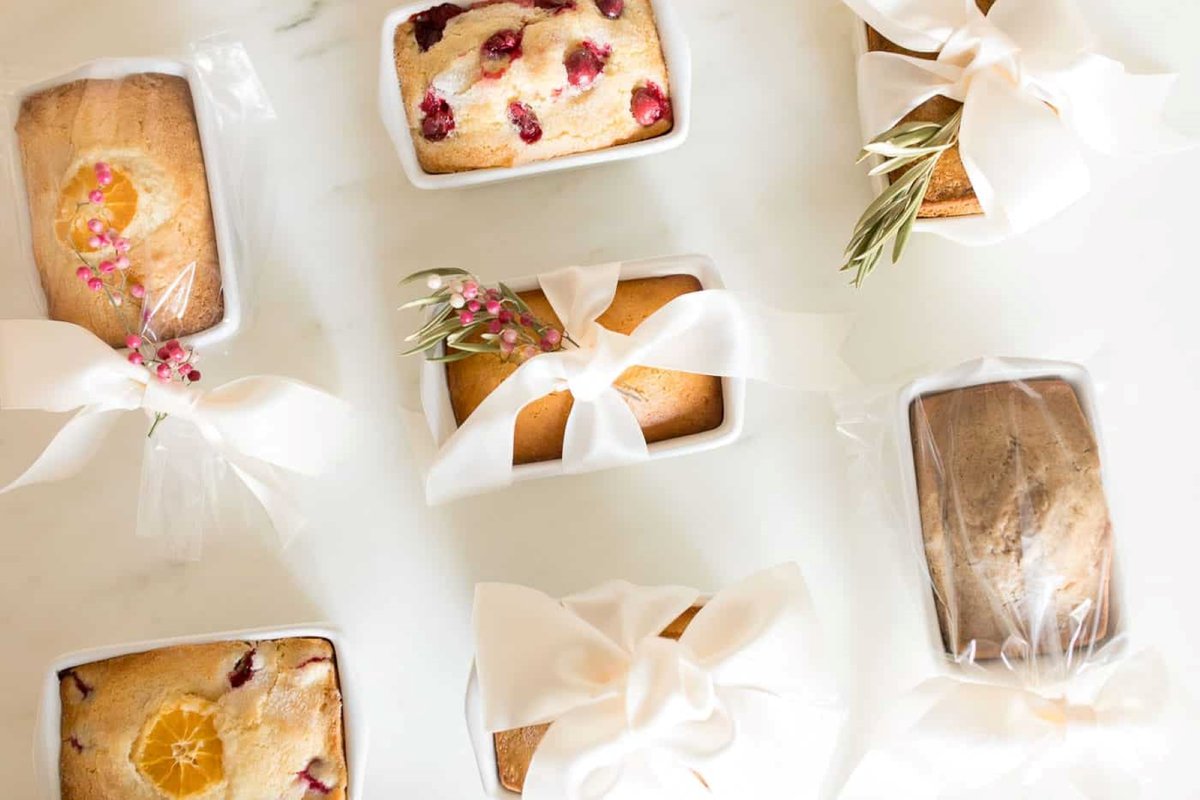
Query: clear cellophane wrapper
{"type": "Point", "coordinates": [991, 472]}
{"type": "Point", "coordinates": [182, 216]}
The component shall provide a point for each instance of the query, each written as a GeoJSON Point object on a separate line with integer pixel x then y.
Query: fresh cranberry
{"type": "Point", "coordinates": [649, 104]}
{"type": "Point", "coordinates": [501, 49]}
{"type": "Point", "coordinates": [526, 121]}
{"type": "Point", "coordinates": [585, 63]}
{"type": "Point", "coordinates": [243, 670]}
{"type": "Point", "coordinates": [611, 8]}
{"type": "Point", "coordinates": [439, 117]}
{"type": "Point", "coordinates": [428, 26]}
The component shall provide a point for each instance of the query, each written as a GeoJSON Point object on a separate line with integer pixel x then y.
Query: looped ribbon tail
{"type": "Point", "coordinates": [638, 715]}
{"type": "Point", "coordinates": [1034, 94]}
{"type": "Point", "coordinates": [709, 332]}
{"type": "Point", "coordinates": [263, 427]}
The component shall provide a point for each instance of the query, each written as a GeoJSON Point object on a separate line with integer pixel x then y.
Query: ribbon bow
{"type": "Point", "coordinates": [258, 425]}
{"type": "Point", "coordinates": [634, 713]}
{"type": "Point", "coordinates": [711, 332]}
{"type": "Point", "coordinates": [956, 738]}
{"type": "Point", "coordinates": [1033, 93]}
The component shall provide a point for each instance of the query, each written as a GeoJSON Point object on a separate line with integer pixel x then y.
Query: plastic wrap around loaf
{"type": "Point", "coordinates": [501, 81]}
{"type": "Point", "coordinates": [515, 748]}
{"type": "Point", "coordinates": [144, 125]}
{"type": "Point", "coordinates": [262, 718]}
{"type": "Point", "coordinates": [950, 193]}
{"type": "Point", "coordinates": [1014, 519]}
{"type": "Point", "coordinates": [667, 404]}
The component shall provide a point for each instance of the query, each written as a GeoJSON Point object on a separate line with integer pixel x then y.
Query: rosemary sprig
{"type": "Point", "coordinates": [916, 148]}
{"type": "Point", "coordinates": [464, 317]}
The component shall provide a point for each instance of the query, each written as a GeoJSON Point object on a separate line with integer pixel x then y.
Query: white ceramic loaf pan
{"type": "Point", "coordinates": [439, 414]}
{"type": "Point", "coordinates": [391, 107]}
{"type": "Point", "coordinates": [48, 740]}
{"type": "Point", "coordinates": [223, 217]}
{"type": "Point", "coordinates": [976, 373]}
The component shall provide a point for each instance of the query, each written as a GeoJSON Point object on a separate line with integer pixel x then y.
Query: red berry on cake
{"type": "Point", "coordinates": [649, 104]}
{"type": "Point", "coordinates": [526, 121]}
{"type": "Point", "coordinates": [585, 63]}
{"type": "Point", "coordinates": [439, 117]}
{"type": "Point", "coordinates": [611, 8]}
{"type": "Point", "coordinates": [499, 51]}
{"type": "Point", "coordinates": [428, 26]}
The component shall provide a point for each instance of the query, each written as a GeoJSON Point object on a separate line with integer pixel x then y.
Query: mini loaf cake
{"type": "Point", "coordinates": [667, 404]}
{"type": "Point", "coordinates": [950, 193]}
{"type": "Point", "coordinates": [1015, 522]}
{"type": "Point", "coordinates": [515, 748]}
{"type": "Point", "coordinates": [506, 82]}
{"type": "Point", "coordinates": [221, 721]}
{"type": "Point", "coordinates": [144, 127]}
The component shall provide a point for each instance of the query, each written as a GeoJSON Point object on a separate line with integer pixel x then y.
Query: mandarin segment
{"type": "Point", "coordinates": [117, 210]}
{"type": "Point", "coordinates": [180, 752]}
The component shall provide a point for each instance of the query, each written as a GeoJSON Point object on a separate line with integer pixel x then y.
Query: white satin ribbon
{"type": "Point", "coordinates": [711, 332]}
{"type": "Point", "coordinates": [262, 426]}
{"type": "Point", "coordinates": [1096, 737]}
{"type": "Point", "coordinates": [1034, 94]}
{"type": "Point", "coordinates": [699, 717]}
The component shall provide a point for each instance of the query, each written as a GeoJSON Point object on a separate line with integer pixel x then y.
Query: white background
{"type": "Point", "coordinates": [767, 186]}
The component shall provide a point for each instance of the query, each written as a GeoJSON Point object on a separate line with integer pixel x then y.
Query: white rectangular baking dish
{"type": "Point", "coordinates": [676, 53]}
{"type": "Point", "coordinates": [481, 738]}
{"type": "Point", "coordinates": [439, 414]}
{"type": "Point", "coordinates": [47, 741]}
{"type": "Point", "coordinates": [223, 217]}
{"type": "Point", "coordinates": [976, 373]}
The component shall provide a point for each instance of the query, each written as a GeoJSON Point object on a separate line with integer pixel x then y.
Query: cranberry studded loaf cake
{"type": "Point", "coordinates": [221, 721]}
{"type": "Point", "coordinates": [144, 127]}
{"type": "Point", "coordinates": [1015, 522]}
{"type": "Point", "coordinates": [506, 82]}
{"type": "Point", "coordinates": [667, 404]}
{"type": "Point", "coordinates": [515, 748]}
{"type": "Point", "coordinates": [950, 193]}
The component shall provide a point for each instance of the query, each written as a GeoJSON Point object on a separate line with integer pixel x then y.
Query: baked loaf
{"type": "Point", "coordinates": [950, 193]}
{"type": "Point", "coordinates": [144, 126]}
{"type": "Point", "coordinates": [506, 82]}
{"type": "Point", "coordinates": [667, 404]}
{"type": "Point", "coordinates": [515, 748]}
{"type": "Point", "coordinates": [1015, 522]}
{"type": "Point", "coordinates": [222, 721]}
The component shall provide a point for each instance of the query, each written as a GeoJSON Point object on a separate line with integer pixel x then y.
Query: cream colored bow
{"type": "Point", "coordinates": [262, 426]}
{"type": "Point", "coordinates": [1034, 94]}
{"type": "Point", "coordinates": [641, 716]}
{"type": "Point", "coordinates": [713, 332]}
{"type": "Point", "coordinates": [1097, 737]}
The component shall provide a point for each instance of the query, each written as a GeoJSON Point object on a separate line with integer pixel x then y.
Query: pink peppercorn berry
{"type": "Point", "coordinates": [163, 371]}
{"type": "Point", "coordinates": [95, 226]}
{"type": "Point", "coordinates": [107, 267]}
{"type": "Point", "coordinates": [493, 306]}
{"type": "Point", "coordinates": [138, 291]}
{"type": "Point", "coordinates": [466, 317]}
{"type": "Point", "coordinates": [96, 196]}
{"type": "Point", "coordinates": [193, 376]}
{"type": "Point", "coordinates": [122, 262]}
{"type": "Point", "coordinates": [95, 242]}
{"type": "Point", "coordinates": [122, 244]}
{"type": "Point", "coordinates": [83, 273]}
{"type": "Point", "coordinates": [495, 327]}
{"type": "Point", "coordinates": [95, 284]}
{"type": "Point", "coordinates": [136, 359]}
{"type": "Point", "coordinates": [505, 316]}
{"type": "Point", "coordinates": [509, 336]}
{"type": "Point", "coordinates": [133, 341]}
{"type": "Point", "coordinates": [553, 336]}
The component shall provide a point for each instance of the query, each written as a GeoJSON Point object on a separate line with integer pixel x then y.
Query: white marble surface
{"type": "Point", "coordinates": [766, 185]}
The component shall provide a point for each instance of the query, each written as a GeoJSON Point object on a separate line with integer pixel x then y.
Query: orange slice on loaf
{"type": "Point", "coordinates": [74, 210]}
{"type": "Point", "coordinates": [179, 751]}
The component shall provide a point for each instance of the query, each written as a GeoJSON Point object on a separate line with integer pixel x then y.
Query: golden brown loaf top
{"type": "Point", "coordinates": [515, 748]}
{"type": "Point", "coordinates": [667, 404]}
{"type": "Point", "coordinates": [221, 721]}
{"type": "Point", "coordinates": [515, 81]}
{"type": "Point", "coordinates": [950, 193]}
{"type": "Point", "coordinates": [144, 126]}
{"type": "Point", "coordinates": [1014, 517]}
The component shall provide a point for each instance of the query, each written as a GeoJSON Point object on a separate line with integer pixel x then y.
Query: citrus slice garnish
{"type": "Point", "coordinates": [179, 751]}
{"type": "Point", "coordinates": [74, 208]}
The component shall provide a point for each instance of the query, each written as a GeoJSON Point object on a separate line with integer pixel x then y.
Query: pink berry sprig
{"type": "Point", "coordinates": [466, 317]}
{"type": "Point", "coordinates": [167, 362]}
